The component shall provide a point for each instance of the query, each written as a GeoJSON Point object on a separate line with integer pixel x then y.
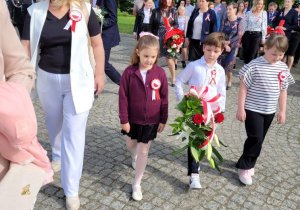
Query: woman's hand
{"type": "Point", "coordinates": [227, 48]}
{"type": "Point", "coordinates": [125, 127]}
{"type": "Point", "coordinates": [160, 127]}
{"type": "Point", "coordinates": [187, 43]}
{"type": "Point", "coordinates": [99, 83]}
{"type": "Point", "coordinates": [283, 28]}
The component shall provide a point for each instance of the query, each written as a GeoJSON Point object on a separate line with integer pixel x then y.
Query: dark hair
{"type": "Point", "coordinates": [162, 4]}
{"type": "Point", "coordinates": [234, 5]}
{"type": "Point", "coordinates": [216, 39]}
{"type": "Point", "coordinates": [178, 3]}
{"type": "Point", "coordinates": [279, 41]}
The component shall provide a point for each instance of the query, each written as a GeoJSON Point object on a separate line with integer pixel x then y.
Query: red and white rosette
{"type": "Point", "coordinates": [75, 16]}
{"type": "Point", "coordinates": [213, 75]}
{"type": "Point", "coordinates": [155, 85]}
{"type": "Point", "coordinates": [281, 77]}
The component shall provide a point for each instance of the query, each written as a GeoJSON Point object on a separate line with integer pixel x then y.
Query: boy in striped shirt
{"type": "Point", "coordinates": [264, 83]}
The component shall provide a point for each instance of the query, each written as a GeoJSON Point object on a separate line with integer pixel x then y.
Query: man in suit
{"type": "Point", "coordinates": [271, 12]}
{"type": "Point", "coordinates": [220, 10]}
{"type": "Point", "coordinates": [110, 36]}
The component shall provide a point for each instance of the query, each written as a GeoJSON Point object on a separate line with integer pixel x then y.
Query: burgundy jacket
{"type": "Point", "coordinates": [135, 97]}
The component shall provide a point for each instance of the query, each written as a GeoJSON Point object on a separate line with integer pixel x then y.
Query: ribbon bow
{"type": "Point", "coordinates": [213, 77]}
{"type": "Point", "coordinates": [143, 33]}
{"type": "Point", "coordinates": [210, 103]}
{"type": "Point", "coordinates": [235, 25]}
{"type": "Point", "coordinates": [207, 17]}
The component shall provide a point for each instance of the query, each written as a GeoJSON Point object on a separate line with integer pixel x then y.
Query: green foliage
{"type": "Point", "coordinates": [125, 5]}
{"type": "Point", "coordinates": [194, 132]}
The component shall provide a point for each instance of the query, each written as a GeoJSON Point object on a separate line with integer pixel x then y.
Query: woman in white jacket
{"type": "Point", "coordinates": [56, 38]}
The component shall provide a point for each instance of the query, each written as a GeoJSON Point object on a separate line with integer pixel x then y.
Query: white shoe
{"type": "Point", "coordinates": [195, 181]}
{"type": "Point", "coordinates": [245, 176]}
{"type": "Point", "coordinates": [56, 166]}
{"type": "Point", "coordinates": [72, 202]}
{"type": "Point", "coordinates": [137, 192]}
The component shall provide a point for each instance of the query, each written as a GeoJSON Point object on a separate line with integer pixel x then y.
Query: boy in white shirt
{"type": "Point", "coordinates": [204, 71]}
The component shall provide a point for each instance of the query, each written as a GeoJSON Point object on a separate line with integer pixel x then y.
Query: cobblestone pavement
{"type": "Point", "coordinates": [107, 173]}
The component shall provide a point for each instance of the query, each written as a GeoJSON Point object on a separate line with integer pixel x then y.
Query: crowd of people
{"type": "Point", "coordinates": [61, 37]}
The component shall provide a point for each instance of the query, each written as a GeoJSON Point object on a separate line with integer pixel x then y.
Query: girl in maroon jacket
{"type": "Point", "coordinates": [143, 104]}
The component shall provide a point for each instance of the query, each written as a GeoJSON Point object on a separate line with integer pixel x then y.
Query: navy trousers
{"type": "Point", "coordinates": [110, 70]}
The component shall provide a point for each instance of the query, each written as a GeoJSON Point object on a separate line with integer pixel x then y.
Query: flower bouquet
{"type": "Point", "coordinates": [173, 40]}
{"type": "Point", "coordinates": [201, 112]}
{"type": "Point", "coordinates": [100, 13]}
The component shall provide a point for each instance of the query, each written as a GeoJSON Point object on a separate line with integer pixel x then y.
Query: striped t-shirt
{"type": "Point", "coordinates": [262, 81]}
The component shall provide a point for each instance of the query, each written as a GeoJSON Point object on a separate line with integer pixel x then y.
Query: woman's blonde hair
{"type": "Point", "coordinates": [147, 41]}
{"type": "Point", "coordinates": [255, 2]}
{"type": "Point", "coordinates": [180, 8]}
{"type": "Point", "coordinates": [61, 3]}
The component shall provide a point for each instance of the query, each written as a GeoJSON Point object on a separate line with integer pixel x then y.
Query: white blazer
{"type": "Point", "coordinates": [81, 72]}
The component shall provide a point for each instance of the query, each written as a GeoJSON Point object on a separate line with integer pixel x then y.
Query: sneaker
{"type": "Point", "coordinates": [56, 166]}
{"type": "Point", "coordinates": [195, 181]}
{"type": "Point", "coordinates": [252, 171]}
{"type": "Point", "coordinates": [137, 192]}
{"type": "Point", "coordinates": [183, 64]}
{"type": "Point", "coordinates": [72, 202]}
{"type": "Point", "coordinates": [245, 176]}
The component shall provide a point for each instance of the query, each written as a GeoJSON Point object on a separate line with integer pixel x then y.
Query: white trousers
{"type": "Point", "coordinates": [66, 128]}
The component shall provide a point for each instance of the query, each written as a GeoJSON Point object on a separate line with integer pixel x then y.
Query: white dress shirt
{"type": "Point", "coordinates": [198, 73]}
{"type": "Point", "coordinates": [147, 16]}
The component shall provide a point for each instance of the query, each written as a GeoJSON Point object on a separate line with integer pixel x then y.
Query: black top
{"type": "Point", "coordinates": [291, 21]}
{"type": "Point", "coordinates": [55, 42]}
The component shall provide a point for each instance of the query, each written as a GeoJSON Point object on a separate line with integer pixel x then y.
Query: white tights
{"type": "Point", "coordinates": [139, 153]}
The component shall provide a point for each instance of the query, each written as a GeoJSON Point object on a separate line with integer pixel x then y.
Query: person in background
{"type": "Point", "coordinates": [224, 3]}
{"type": "Point", "coordinates": [247, 6]}
{"type": "Point", "coordinates": [211, 6]}
{"type": "Point", "coordinates": [290, 16]}
{"type": "Point", "coordinates": [297, 53]}
{"type": "Point", "coordinates": [156, 4]}
{"type": "Point", "coordinates": [189, 8]}
{"type": "Point", "coordinates": [180, 3]}
{"type": "Point", "coordinates": [233, 28]}
{"type": "Point", "coordinates": [256, 22]}
{"type": "Point", "coordinates": [220, 10]}
{"type": "Point", "coordinates": [183, 20]}
{"type": "Point", "coordinates": [138, 4]}
{"type": "Point", "coordinates": [203, 22]}
{"type": "Point", "coordinates": [241, 9]}
{"type": "Point", "coordinates": [271, 12]}
{"type": "Point", "coordinates": [159, 29]}
{"type": "Point", "coordinates": [110, 36]}
{"type": "Point", "coordinates": [22, 158]}
{"type": "Point", "coordinates": [142, 19]}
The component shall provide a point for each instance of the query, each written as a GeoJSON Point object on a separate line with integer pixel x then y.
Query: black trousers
{"type": "Point", "coordinates": [110, 70]}
{"type": "Point", "coordinates": [196, 50]}
{"type": "Point", "coordinates": [297, 53]}
{"type": "Point", "coordinates": [192, 165]}
{"type": "Point", "coordinates": [250, 43]}
{"type": "Point", "coordinates": [257, 126]}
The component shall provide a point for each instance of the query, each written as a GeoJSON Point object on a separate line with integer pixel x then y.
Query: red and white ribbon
{"type": "Point", "coordinates": [213, 77]}
{"type": "Point", "coordinates": [235, 25]}
{"type": "Point", "coordinates": [155, 85]}
{"type": "Point", "coordinates": [281, 77]}
{"type": "Point", "coordinates": [207, 17]}
{"type": "Point", "coordinates": [75, 16]}
{"type": "Point", "coordinates": [170, 17]}
{"type": "Point", "coordinates": [219, 9]}
{"type": "Point", "coordinates": [210, 103]}
{"type": "Point", "coordinates": [258, 18]}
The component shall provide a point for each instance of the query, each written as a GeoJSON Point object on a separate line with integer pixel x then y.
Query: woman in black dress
{"type": "Point", "coordinates": [290, 26]}
{"type": "Point", "coordinates": [165, 9]}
